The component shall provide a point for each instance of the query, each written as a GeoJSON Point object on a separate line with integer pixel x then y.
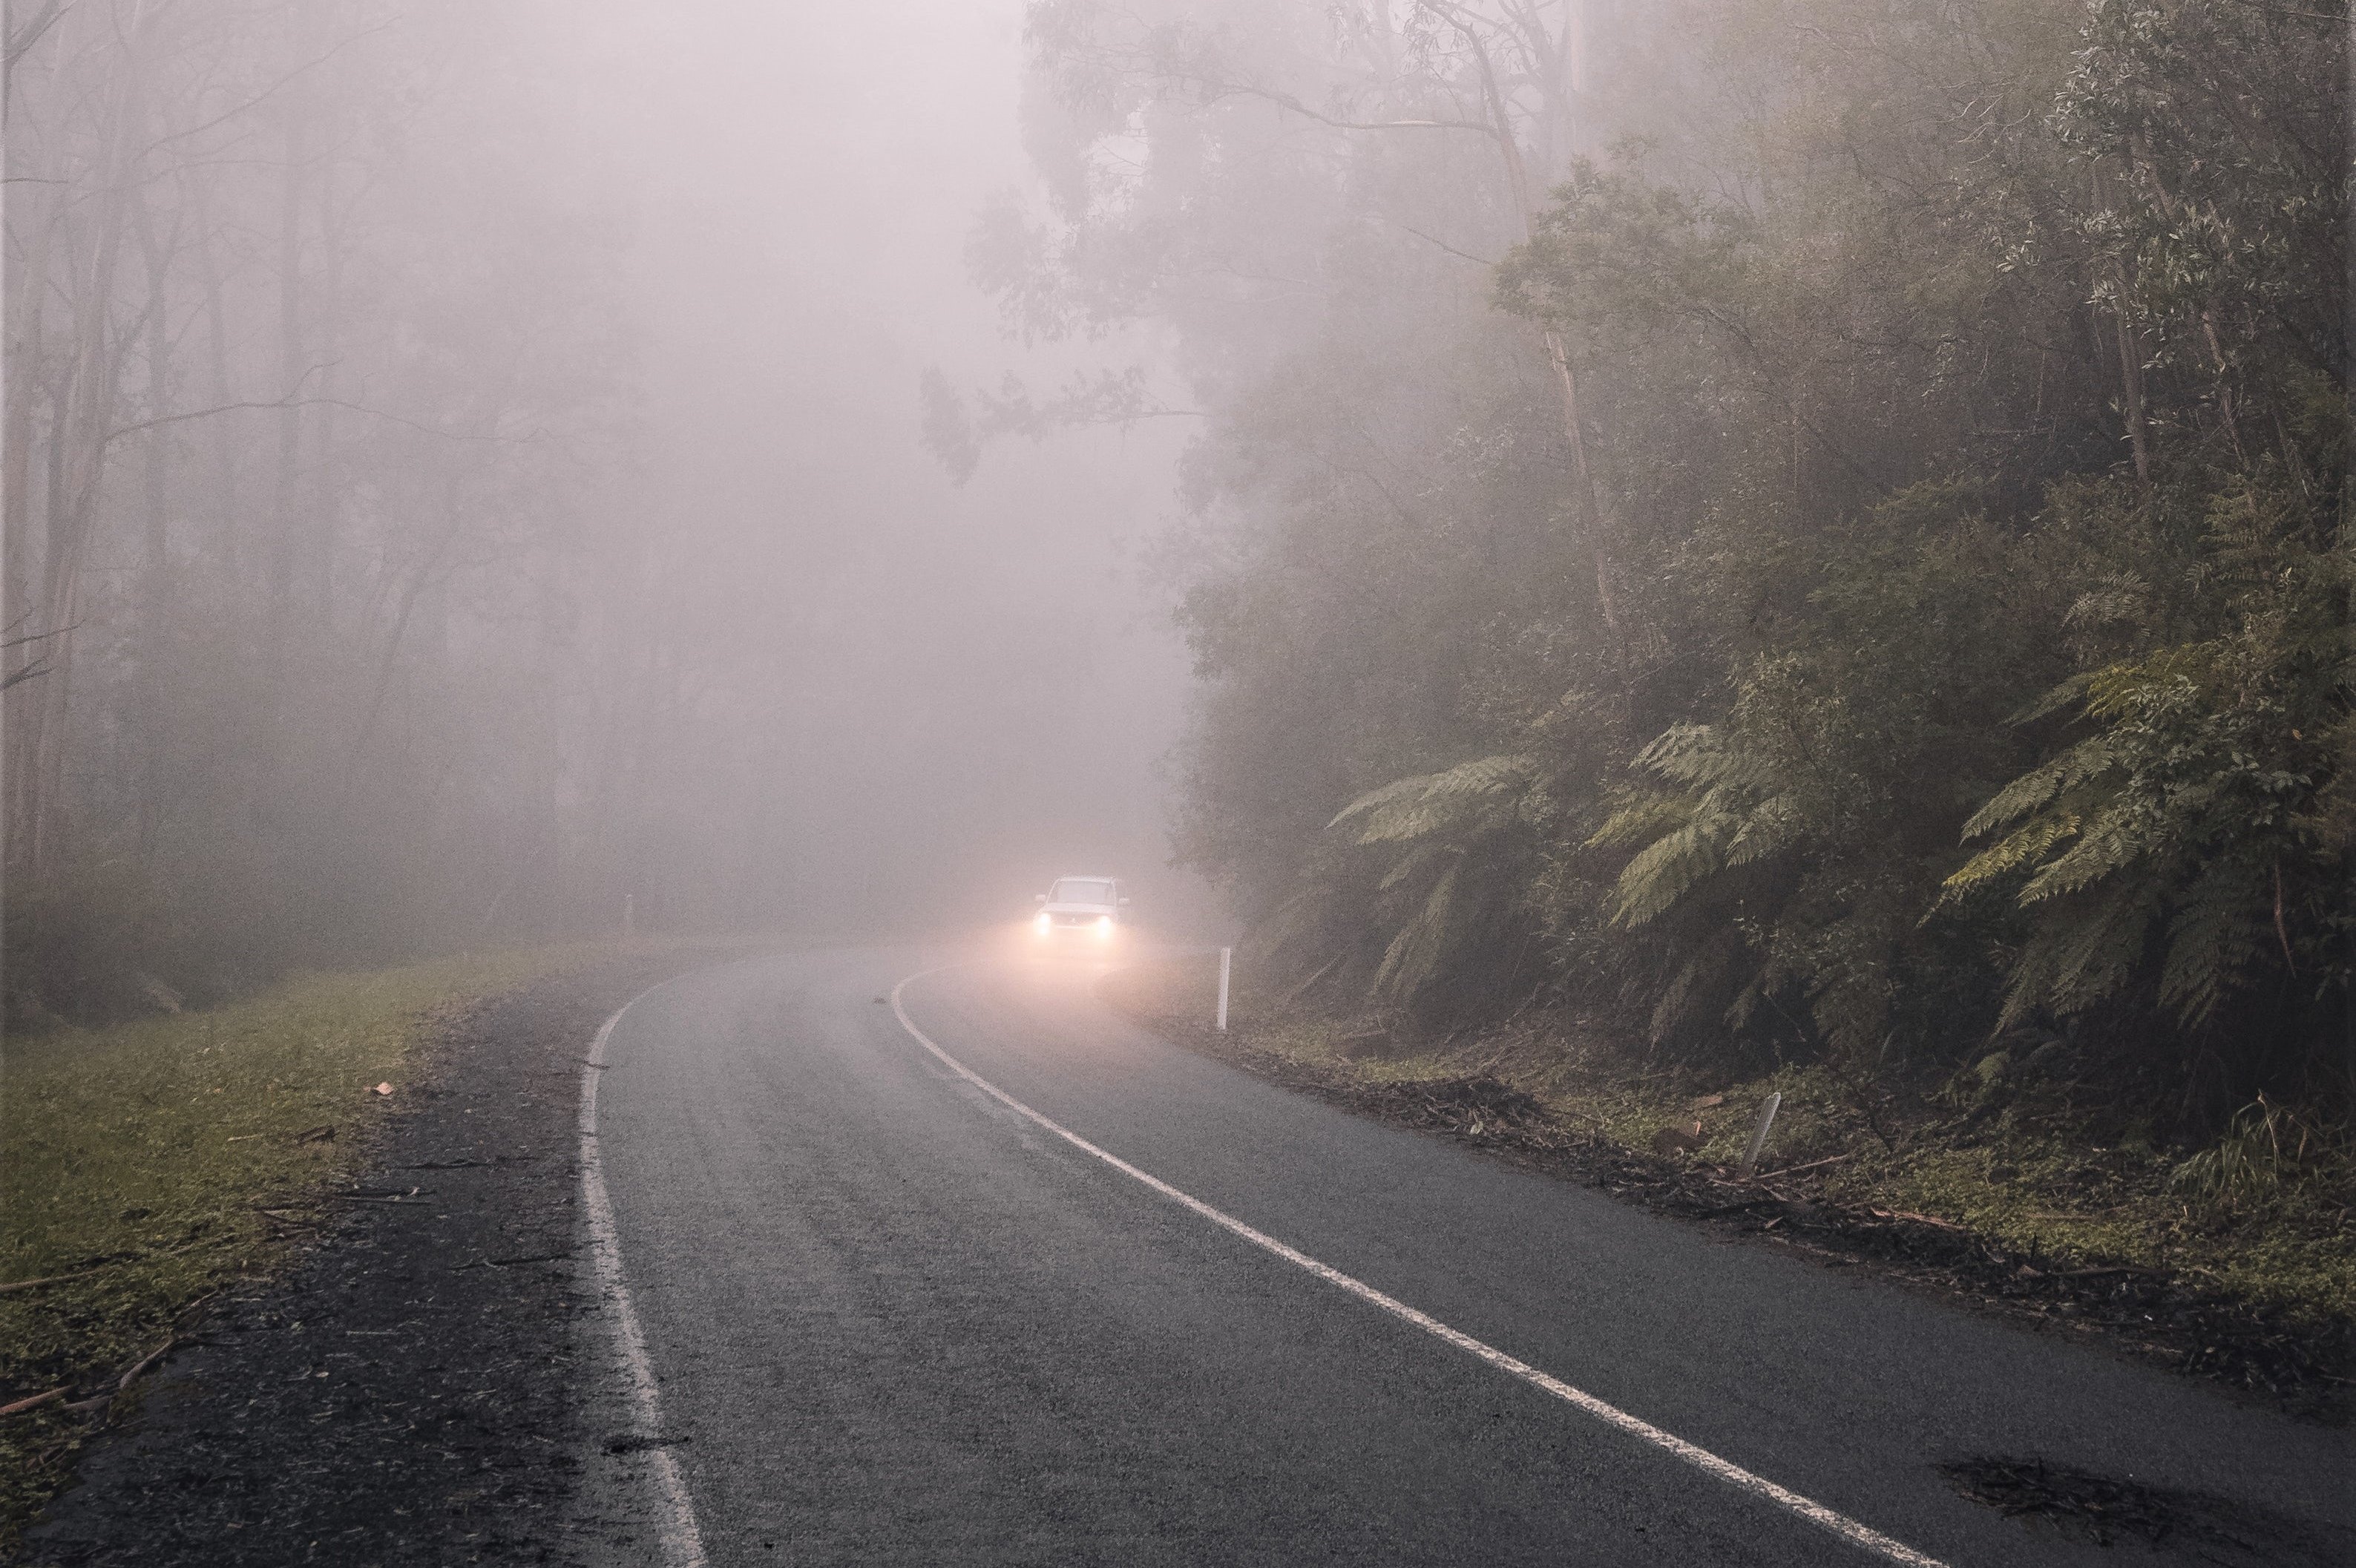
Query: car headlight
{"type": "Point", "coordinates": [1104, 925]}
{"type": "Point", "coordinates": [1042, 923]}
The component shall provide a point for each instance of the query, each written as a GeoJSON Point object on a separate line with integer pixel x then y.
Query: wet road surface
{"type": "Point", "coordinates": [891, 1319]}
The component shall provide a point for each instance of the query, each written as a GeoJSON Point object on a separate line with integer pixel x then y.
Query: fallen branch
{"type": "Point", "coordinates": [18, 1407]}
{"type": "Point", "coordinates": [1736, 1207]}
{"type": "Point", "coordinates": [511, 1262]}
{"type": "Point", "coordinates": [2092, 1273]}
{"type": "Point", "coordinates": [1812, 1165]}
{"type": "Point", "coordinates": [2067, 1218]}
{"type": "Point", "coordinates": [112, 1263]}
{"type": "Point", "coordinates": [1918, 1219]}
{"type": "Point", "coordinates": [139, 1369]}
{"type": "Point", "coordinates": [14, 1285]}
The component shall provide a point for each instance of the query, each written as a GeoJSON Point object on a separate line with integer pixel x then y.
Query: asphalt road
{"type": "Point", "coordinates": [891, 1319]}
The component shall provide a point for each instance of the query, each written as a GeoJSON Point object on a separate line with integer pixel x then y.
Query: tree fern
{"type": "Point", "coordinates": [1439, 878]}
{"type": "Point", "coordinates": [2158, 845]}
{"type": "Point", "coordinates": [1468, 795]}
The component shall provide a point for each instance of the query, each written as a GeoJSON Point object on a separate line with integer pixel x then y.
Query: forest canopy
{"type": "Point", "coordinates": [1811, 528]}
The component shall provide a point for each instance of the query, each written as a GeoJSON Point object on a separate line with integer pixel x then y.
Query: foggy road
{"type": "Point", "coordinates": [892, 1318]}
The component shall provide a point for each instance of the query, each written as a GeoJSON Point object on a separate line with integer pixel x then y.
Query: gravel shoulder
{"type": "Point", "coordinates": [422, 1384]}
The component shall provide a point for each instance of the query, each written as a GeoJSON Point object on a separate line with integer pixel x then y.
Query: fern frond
{"type": "Point", "coordinates": [1699, 757]}
{"type": "Point", "coordinates": [2215, 933]}
{"type": "Point", "coordinates": [1664, 870]}
{"type": "Point", "coordinates": [1677, 997]}
{"type": "Point", "coordinates": [1409, 788]}
{"type": "Point", "coordinates": [2037, 787]}
{"type": "Point", "coordinates": [1412, 862]}
{"type": "Point", "coordinates": [2070, 691]}
{"type": "Point", "coordinates": [1462, 796]}
{"type": "Point", "coordinates": [2120, 690]}
{"type": "Point", "coordinates": [2106, 845]}
{"type": "Point", "coordinates": [1643, 822]}
{"type": "Point", "coordinates": [2081, 960]}
{"type": "Point", "coordinates": [1772, 826]}
{"type": "Point", "coordinates": [2010, 853]}
{"type": "Point", "coordinates": [1414, 955]}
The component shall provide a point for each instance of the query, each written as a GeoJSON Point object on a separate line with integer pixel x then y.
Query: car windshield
{"type": "Point", "coordinates": [1083, 890]}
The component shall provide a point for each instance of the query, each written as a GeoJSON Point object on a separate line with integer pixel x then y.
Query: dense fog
{"type": "Point", "coordinates": [1785, 529]}
{"type": "Point", "coordinates": [953, 693]}
{"type": "Point", "coordinates": [477, 451]}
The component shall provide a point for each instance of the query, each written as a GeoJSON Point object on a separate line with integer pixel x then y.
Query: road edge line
{"type": "Point", "coordinates": [681, 1539]}
{"type": "Point", "coordinates": [1700, 1458]}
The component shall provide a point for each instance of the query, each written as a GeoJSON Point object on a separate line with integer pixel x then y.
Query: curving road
{"type": "Point", "coordinates": [894, 1317]}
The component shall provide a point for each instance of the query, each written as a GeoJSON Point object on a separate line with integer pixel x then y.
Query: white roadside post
{"type": "Point", "coordinates": [1226, 957]}
{"type": "Point", "coordinates": [1759, 1136]}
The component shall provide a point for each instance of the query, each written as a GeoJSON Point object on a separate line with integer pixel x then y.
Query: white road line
{"type": "Point", "coordinates": [682, 1542]}
{"type": "Point", "coordinates": [1700, 1458]}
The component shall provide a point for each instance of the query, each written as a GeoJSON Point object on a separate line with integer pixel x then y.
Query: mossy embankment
{"type": "Point", "coordinates": [2012, 1186]}
{"type": "Point", "coordinates": [145, 1167]}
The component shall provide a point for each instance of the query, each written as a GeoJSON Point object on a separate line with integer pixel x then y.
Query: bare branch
{"type": "Point", "coordinates": [1287, 101]}
{"type": "Point", "coordinates": [310, 403]}
{"type": "Point", "coordinates": [1461, 255]}
{"type": "Point", "coordinates": [25, 38]}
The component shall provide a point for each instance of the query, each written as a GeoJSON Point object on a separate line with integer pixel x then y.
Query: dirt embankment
{"type": "Point", "coordinates": [2155, 1314]}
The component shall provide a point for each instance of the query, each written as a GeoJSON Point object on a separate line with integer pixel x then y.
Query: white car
{"type": "Point", "coordinates": [1084, 907]}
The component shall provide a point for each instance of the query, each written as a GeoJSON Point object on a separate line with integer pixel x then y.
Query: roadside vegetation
{"type": "Point", "coordinates": [2023, 1185]}
{"type": "Point", "coordinates": [1810, 538]}
{"type": "Point", "coordinates": [146, 1167]}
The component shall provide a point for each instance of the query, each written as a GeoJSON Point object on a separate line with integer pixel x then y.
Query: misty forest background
{"type": "Point", "coordinates": [1793, 529]}
{"type": "Point", "coordinates": [465, 488]}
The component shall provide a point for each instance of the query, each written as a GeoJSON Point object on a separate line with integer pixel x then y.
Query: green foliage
{"type": "Point", "coordinates": [1956, 644]}
{"type": "Point", "coordinates": [2262, 1145]}
{"type": "Point", "coordinates": [1734, 817]}
{"type": "Point", "coordinates": [1449, 845]}
{"type": "Point", "coordinates": [2190, 819]}
{"type": "Point", "coordinates": [1470, 800]}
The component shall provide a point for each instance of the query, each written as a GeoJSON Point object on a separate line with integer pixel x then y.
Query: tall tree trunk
{"type": "Point", "coordinates": [82, 423]}
{"type": "Point", "coordinates": [2129, 344]}
{"type": "Point", "coordinates": [156, 651]}
{"type": "Point", "coordinates": [21, 705]}
{"type": "Point", "coordinates": [228, 537]}
{"type": "Point", "coordinates": [286, 655]}
{"type": "Point", "coordinates": [1549, 57]}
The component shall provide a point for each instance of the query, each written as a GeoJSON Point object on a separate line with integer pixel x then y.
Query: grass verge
{"type": "Point", "coordinates": [139, 1167]}
{"type": "Point", "coordinates": [2015, 1188]}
